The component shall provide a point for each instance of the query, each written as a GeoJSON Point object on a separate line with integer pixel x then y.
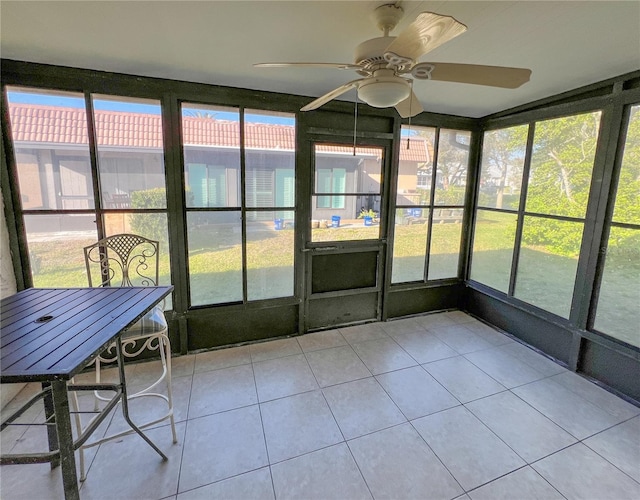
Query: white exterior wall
{"type": "Point", "coordinates": [7, 287]}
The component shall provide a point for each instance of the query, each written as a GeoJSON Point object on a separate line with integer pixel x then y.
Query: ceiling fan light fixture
{"type": "Point", "coordinates": [384, 92]}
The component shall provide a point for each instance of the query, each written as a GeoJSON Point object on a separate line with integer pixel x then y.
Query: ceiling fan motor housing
{"type": "Point", "coordinates": [370, 54]}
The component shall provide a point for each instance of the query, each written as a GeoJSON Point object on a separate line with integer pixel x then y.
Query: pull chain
{"type": "Point", "coordinates": [410, 103]}
{"type": "Point", "coordinates": [355, 125]}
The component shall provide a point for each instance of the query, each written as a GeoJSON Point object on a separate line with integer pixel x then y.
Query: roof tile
{"type": "Point", "coordinates": [35, 123]}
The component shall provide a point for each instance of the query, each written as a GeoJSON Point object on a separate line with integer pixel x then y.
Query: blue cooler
{"type": "Point", "coordinates": [335, 221]}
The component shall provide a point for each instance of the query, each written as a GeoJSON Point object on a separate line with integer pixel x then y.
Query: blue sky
{"type": "Point", "coordinates": [406, 132]}
{"type": "Point", "coordinates": [132, 107]}
{"type": "Point", "coordinates": [78, 102]}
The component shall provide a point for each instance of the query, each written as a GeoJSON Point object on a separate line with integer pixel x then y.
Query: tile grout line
{"type": "Point", "coordinates": [186, 428]}
{"type": "Point", "coordinates": [513, 471]}
{"type": "Point", "coordinates": [320, 388]}
{"type": "Point", "coordinates": [338, 425]}
{"type": "Point", "coordinates": [507, 444]}
{"type": "Point", "coordinates": [577, 395]}
{"type": "Point", "coordinates": [602, 456]}
{"type": "Point", "coordinates": [264, 434]}
{"type": "Point", "coordinates": [436, 455]}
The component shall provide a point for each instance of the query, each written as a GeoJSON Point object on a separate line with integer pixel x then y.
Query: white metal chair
{"type": "Point", "coordinates": [130, 260]}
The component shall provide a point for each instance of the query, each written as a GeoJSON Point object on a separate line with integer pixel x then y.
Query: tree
{"type": "Point", "coordinates": [561, 165]}
{"type": "Point", "coordinates": [452, 166]}
{"type": "Point", "coordinates": [560, 180]}
{"type": "Point", "coordinates": [502, 163]}
{"type": "Point", "coordinates": [627, 207]}
{"type": "Point", "coordinates": [625, 243]}
{"type": "Point", "coordinates": [200, 113]}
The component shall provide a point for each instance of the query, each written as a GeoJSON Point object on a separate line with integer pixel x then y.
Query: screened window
{"type": "Point", "coordinates": [347, 191]}
{"type": "Point", "coordinates": [56, 180]}
{"type": "Point", "coordinates": [500, 187]}
{"type": "Point", "coordinates": [130, 152]}
{"type": "Point", "coordinates": [542, 269]}
{"type": "Point", "coordinates": [429, 205]}
{"type": "Point", "coordinates": [51, 146]}
{"type": "Point", "coordinates": [211, 138]}
{"type": "Point", "coordinates": [270, 193]}
{"type": "Point", "coordinates": [557, 193]}
{"type": "Point", "coordinates": [452, 167]}
{"type": "Point", "coordinates": [131, 171]}
{"type": "Point", "coordinates": [502, 164]}
{"type": "Point", "coordinates": [240, 249]}
{"type": "Point", "coordinates": [547, 273]}
{"type": "Point", "coordinates": [493, 243]}
{"type": "Point", "coordinates": [617, 312]}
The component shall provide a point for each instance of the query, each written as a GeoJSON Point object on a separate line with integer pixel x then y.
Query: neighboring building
{"type": "Point", "coordinates": [52, 152]}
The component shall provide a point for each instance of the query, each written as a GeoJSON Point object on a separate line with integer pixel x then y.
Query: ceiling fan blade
{"type": "Point", "coordinates": [307, 64]}
{"type": "Point", "coordinates": [410, 107]}
{"type": "Point", "coordinates": [331, 95]}
{"type": "Point", "coordinates": [492, 76]}
{"type": "Point", "coordinates": [427, 32]}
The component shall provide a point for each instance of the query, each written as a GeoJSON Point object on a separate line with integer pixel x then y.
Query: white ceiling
{"type": "Point", "coordinates": [567, 44]}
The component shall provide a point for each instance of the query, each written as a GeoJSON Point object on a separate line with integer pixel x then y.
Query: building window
{"type": "Point", "coordinates": [207, 184]}
{"type": "Point", "coordinates": [331, 180]}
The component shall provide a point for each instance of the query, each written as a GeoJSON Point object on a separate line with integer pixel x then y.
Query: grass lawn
{"type": "Point", "coordinates": [59, 262]}
{"type": "Point", "coordinates": [545, 279]}
{"type": "Point", "coordinates": [618, 310]}
{"type": "Point", "coordinates": [215, 264]}
{"type": "Point", "coordinates": [348, 230]}
{"type": "Point", "coordinates": [410, 243]}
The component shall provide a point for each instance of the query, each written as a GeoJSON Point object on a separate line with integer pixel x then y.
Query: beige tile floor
{"type": "Point", "coordinates": [440, 406]}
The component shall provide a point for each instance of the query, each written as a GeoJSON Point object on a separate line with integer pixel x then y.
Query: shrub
{"type": "Point", "coordinates": [559, 237]}
{"type": "Point", "coordinates": [368, 213]}
{"type": "Point", "coordinates": [150, 225]}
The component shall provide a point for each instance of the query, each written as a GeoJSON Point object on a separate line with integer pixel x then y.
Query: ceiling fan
{"type": "Point", "coordinates": [384, 61]}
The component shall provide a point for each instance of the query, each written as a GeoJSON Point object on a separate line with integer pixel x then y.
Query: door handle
{"type": "Point", "coordinates": [319, 249]}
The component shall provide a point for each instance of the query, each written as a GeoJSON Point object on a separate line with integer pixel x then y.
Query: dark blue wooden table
{"type": "Point", "coordinates": [48, 335]}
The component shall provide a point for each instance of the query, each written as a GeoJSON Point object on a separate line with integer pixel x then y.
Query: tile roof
{"type": "Point", "coordinates": [52, 124]}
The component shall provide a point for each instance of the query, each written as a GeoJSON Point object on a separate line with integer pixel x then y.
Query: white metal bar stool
{"type": "Point", "coordinates": [130, 260]}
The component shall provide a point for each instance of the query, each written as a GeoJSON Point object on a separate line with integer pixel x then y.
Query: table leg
{"type": "Point", "coordinates": [50, 416]}
{"type": "Point", "coordinates": [125, 401]}
{"type": "Point", "coordinates": [65, 439]}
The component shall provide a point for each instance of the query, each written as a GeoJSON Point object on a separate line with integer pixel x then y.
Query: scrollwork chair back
{"type": "Point", "coordinates": [123, 260]}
